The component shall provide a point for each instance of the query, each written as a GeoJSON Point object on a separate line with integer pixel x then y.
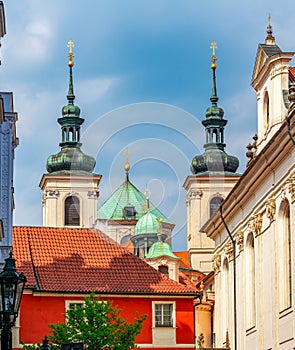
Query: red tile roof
{"type": "Point", "coordinates": [292, 74]}
{"type": "Point", "coordinates": [82, 260]}
{"type": "Point", "coordinates": [185, 259]}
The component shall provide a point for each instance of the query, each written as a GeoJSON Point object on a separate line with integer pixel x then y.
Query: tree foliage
{"type": "Point", "coordinates": [98, 325]}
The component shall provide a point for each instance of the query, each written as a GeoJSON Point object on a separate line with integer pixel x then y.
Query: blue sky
{"type": "Point", "coordinates": [142, 79]}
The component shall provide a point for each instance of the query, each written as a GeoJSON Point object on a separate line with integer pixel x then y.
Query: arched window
{"type": "Point", "coordinates": [225, 296]}
{"type": "Point", "coordinates": [215, 204]}
{"type": "Point", "coordinates": [164, 269]}
{"type": "Point", "coordinates": [266, 110]}
{"type": "Point", "coordinates": [250, 282]}
{"type": "Point", "coordinates": [71, 134]}
{"type": "Point", "coordinates": [72, 211]}
{"type": "Point", "coordinates": [284, 256]}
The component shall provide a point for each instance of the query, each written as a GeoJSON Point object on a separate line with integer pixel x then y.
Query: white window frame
{"type": "Point", "coordinates": [173, 313]}
{"type": "Point", "coordinates": [71, 302]}
{"type": "Point", "coordinates": [250, 282]}
{"type": "Point", "coordinates": [285, 256]}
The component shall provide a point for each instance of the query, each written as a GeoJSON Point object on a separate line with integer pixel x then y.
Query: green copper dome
{"type": "Point", "coordinates": [214, 159]}
{"type": "Point", "coordinates": [147, 224]}
{"type": "Point", "coordinates": [71, 110]}
{"type": "Point", "coordinates": [127, 195]}
{"type": "Point", "coordinates": [70, 158]}
{"type": "Point", "coordinates": [159, 249]}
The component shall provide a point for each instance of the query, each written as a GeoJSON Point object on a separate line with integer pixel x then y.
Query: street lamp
{"type": "Point", "coordinates": [11, 290]}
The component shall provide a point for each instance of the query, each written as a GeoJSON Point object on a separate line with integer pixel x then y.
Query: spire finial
{"type": "Point", "coordinates": [70, 55]}
{"type": "Point", "coordinates": [147, 197]}
{"type": "Point", "coordinates": [159, 223]}
{"type": "Point", "coordinates": [127, 165]}
{"type": "Point", "coordinates": [71, 96]}
{"type": "Point", "coordinates": [213, 46]}
{"type": "Point", "coordinates": [270, 39]}
{"type": "Point", "coordinates": [214, 97]}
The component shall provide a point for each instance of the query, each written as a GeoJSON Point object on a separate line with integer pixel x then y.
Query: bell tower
{"type": "Point", "coordinates": [214, 175]}
{"type": "Point", "coordinates": [70, 188]}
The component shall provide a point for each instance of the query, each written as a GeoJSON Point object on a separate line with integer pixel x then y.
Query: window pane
{"type": "Point", "coordinates": [163, 315]}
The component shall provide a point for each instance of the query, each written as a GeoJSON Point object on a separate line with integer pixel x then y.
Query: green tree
{"type": "Point", "coordinates": [98, 325]}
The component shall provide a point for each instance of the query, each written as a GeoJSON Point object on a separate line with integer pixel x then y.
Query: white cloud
{"type": "Point", "coordinates": [92, 90]}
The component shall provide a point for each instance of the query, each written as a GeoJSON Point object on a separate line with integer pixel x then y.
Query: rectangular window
{"type": "Point", "coordinates": [164, 315]}
{"type": "Point", "coordinates": [70, 304]}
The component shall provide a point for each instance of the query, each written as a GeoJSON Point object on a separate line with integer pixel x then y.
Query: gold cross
{"type": "Point", "coordinates": [269, 17]}
{"type": "Point", "coordinates": [147, 193]}
{"type": "Point", "coordinates": [126, 155]}
{"type": "Point", "coordinates": [213, 47]}
{"type": "Point", "coordinates": [159, 222]}
{"type": "Point", "coordinates": [70, 46]}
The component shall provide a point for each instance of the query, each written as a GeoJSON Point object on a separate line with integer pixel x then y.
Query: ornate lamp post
{"type": "Point", "coordinates": [11, 290]}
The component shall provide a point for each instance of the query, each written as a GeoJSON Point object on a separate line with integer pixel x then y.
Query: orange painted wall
{"type": "Point", "coordinates": [38, 311]}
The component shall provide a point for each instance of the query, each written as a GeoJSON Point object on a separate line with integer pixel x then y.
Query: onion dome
{"type": "Point", "coordinates": [214, 159]}
{"type": "Point", "coordinates": [150, 224]}
{"type": "Point", "coordinates": [159, 249]}
{"type": "Point", "coordinates": [70, 158]}
{"type": "Point", "coordinates": [147, 224]}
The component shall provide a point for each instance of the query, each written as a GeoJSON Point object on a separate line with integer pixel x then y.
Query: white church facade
{"type": "Point", "coordinates": [254, 232]}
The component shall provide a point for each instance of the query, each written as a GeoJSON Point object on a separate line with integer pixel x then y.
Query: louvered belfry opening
{"type": "Point", "coordinates": [72, 211]}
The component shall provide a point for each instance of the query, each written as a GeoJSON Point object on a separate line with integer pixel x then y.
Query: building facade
{"type": "Point", "coordinates": [8, 143]}
{"type": "Point", "coordinates": [255, 234]}
{"type": "Point", "coordinates": [64, 264]}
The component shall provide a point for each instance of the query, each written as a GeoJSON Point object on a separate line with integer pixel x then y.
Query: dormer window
{"type": "Point", "coordinates": [129, 212]}
{"type": "Point", "coordinates": [164, 270]}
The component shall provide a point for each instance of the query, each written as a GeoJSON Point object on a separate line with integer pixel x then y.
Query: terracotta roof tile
{"type": "Point", "coordinates": [82, 260]}
{"type": "Point", "coordinates": [185, 259]}
{"type": "Point", "coordinates": [292, 74]}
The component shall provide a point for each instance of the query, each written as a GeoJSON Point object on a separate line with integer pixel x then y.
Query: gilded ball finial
{"type": "Point", "coordinates": [71, 55]}
{"type": "Point", "coordinates": [127, 165]}
{"type": "Point", "coordinates": [213, 46]}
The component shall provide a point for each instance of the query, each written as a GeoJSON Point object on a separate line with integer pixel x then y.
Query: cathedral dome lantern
{"type": "Point", "coordinates": [214, 159]}
{"type": "Point", "coordinates": [70, 158]}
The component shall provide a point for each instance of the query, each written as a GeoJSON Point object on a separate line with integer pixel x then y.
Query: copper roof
{"type": "Point", "coordinates": [82, 260]}
{"type": "Point", "coordinates": [127, 195]}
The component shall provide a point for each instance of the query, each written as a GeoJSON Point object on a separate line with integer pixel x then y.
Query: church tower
{"type": "Point", "coordinates": [70, 189]}
{"type": "Point", "coordinates": [270, 80]}
{"type": "Point", "coordinates": [214, 176]}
